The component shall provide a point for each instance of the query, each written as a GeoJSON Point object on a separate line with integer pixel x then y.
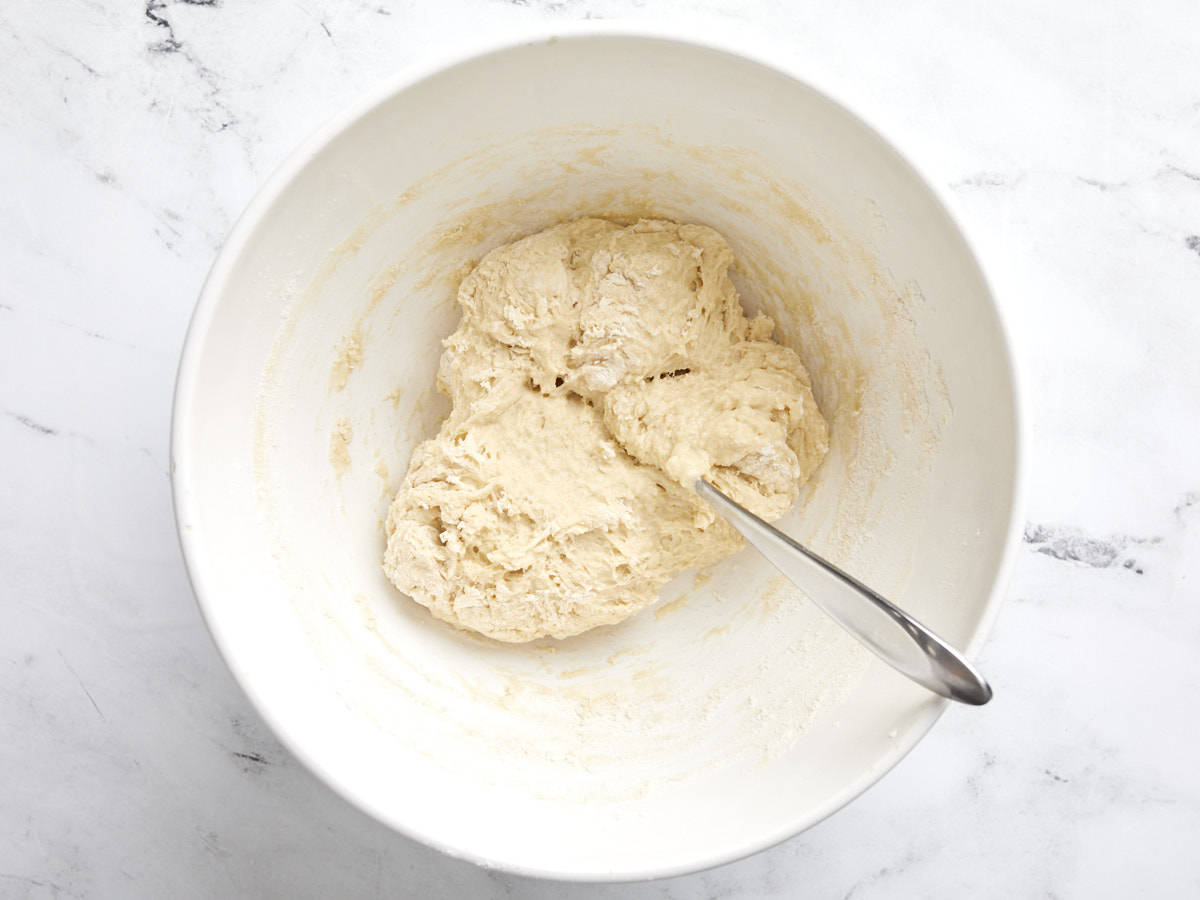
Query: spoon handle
{"type": "Point", "coordinates": [895, 637]}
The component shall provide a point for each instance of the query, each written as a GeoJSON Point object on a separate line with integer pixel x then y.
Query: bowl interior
{"type": "Point", "coordinates": [734, 713]}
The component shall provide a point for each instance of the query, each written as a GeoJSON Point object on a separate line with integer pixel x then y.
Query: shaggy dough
{"type": "Point", "coordinates": [597, 371]}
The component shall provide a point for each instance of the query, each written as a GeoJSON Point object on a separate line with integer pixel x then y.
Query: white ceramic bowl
{"type": "Point", "coordinates": [732, 716]}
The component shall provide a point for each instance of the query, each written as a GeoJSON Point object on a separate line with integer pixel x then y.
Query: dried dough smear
{"type": "Point", "coordinates": [597, 371]}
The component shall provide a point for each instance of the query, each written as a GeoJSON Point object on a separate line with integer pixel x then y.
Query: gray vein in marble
{"type": "Point", "coordinates": [146, 452]}
{"type": "Point", "coordinates": [976, 780]}
{"type": "Point", "coordinates": [549, 6]}
{"type": "Point", "coordinates": [1176, 170]}
{"type": "Point", "coordinates": [66, 54]}
{"type": "Point", "coordinates": [1168, 171]}
{"type": "Point", "coordinates": [1073, 545]}
{"type": "Point", "coordinates": [30, 423]}
{"type": "Point", "coordinates": [155, 12]}
{"type": "Point", "coordinates": [54, 887]}
{"type": "Point", "coordinates": [1008, 180]}
{"type": "Point", "coordinates": [883, 872]}
{"type": "Point", "coordinates": [168, 218]}
{"type": "Point", "coordinates": [259, 750]}
{"type": "Point", "coordinates": [579, 9]}
{"type": "Point", "coordinates": [82, 685]}
{"type": "Point", "coordinates": [1190, 499]}
{"type": "Point", "coordinates": [170, 44]}
{"type": "Point", "coordinates": [988, 180]}
{"type": "Point", "coordinates": [252, 757]}
{"type": "Point", "coordinates": [86, 332]}
{"type": "Point", "coordinates": [47, 431]}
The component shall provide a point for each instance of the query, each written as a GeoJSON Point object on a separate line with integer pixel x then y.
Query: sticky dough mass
{"type": "Point", "coordinates": [597, 371]}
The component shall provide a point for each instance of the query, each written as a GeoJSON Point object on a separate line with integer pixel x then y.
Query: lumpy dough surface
{"type": "Point", "coordinates": [598, 370]}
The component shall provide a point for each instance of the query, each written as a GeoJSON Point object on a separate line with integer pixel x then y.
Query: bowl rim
{"type": "Point", "coordinates": [731, 39]}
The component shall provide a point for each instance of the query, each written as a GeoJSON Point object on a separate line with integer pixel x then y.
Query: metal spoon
{"type": "Point", "coordinates": [895, 637]}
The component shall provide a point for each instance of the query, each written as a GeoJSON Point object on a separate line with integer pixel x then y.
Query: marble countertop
{"type": "Point", "coordinates": [132, 134]}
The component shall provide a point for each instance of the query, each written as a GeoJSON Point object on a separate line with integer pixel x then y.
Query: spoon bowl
{"type": "Point", "coordinates": [892, 634]}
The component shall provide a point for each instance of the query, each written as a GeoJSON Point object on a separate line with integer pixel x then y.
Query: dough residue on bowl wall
{"type": "Point", "coordinates": [339, 445]}
{"type": "Point", "coordinates": [742, 666]}
{"type": "Point", "coordinates": [347, 360]}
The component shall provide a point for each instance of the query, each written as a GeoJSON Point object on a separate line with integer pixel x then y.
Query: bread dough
{"type": "Point", "coordinates": [598, 370]}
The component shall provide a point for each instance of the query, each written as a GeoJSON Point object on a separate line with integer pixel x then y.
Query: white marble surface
{"type": "Point", "coordinates": [132, 133]}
